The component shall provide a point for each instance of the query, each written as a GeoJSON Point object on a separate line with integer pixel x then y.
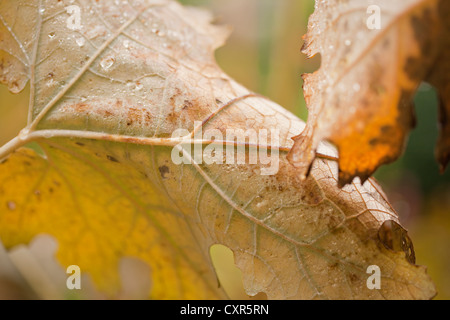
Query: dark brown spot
{"type": "Point", "coordinates": [374, 141]}
{"type": "Point", "coordinates": [407, 115]}
{"type": "Point", "coordinates": [163, 170]}
{"type": "Point", "coordinates": [424, 33]}
{"type": "Point", "coordinates": [422, 27]}
{"type": "Point", "coordinates": [334, 265]}
{"type": "Point", "coordinates": [187, 104]}
{"type": "Point", "coordinates": [353, 277]}
{"type": "Point", "coordinates": [134, 115]}
{"type": "Point", "coordinates": [111, 158]}
{"type": "Point", "coordinates": [386, 130]}
{"type": "Point", "coordinates": [444, 12]}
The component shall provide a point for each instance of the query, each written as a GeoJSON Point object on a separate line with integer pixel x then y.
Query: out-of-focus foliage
{"type": "Point", "coordinates": [263, 52]}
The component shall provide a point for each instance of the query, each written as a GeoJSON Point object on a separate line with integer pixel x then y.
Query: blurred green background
{"type": "Point", "coordinates": [263, 54]}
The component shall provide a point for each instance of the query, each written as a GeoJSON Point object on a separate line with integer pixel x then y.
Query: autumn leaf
{"type": "Point", "coordinates": [105, 103]}
{"type": "Point", "coordinates": [361, 97]}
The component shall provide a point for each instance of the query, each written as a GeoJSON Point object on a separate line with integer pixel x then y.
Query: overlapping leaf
{"type": "Point", "coordinates": [361, 97]}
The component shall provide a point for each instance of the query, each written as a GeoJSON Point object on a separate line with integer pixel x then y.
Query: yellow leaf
{"type": "Point", "coordinates": [98, 219]}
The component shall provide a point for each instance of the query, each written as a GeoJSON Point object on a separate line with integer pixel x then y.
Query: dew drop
{"type": "Point", "coordinates": [80, 42]}
{"type": "Point", "coordinates": [126, 44]}
{"type": "Point", "coordinates": [51, 35]}
{"type": "Point", "coordinates": [348, 42]}
{"type": "Point", "coordinates": [50, 83]}
{"type": "Point", "coordinates": [356, 87]}
{"type": "Point", "coordinates": [47, 134]}
{"type": "Point", "coordinates": [107, 63]}
{"type": "Point", "coordinates": [261, 204]}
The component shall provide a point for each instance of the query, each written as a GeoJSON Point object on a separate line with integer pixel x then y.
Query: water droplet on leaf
{"type": "Point", "coordinates": [80, 42]}
{"type": "Point", "coordinates": [107, 63]}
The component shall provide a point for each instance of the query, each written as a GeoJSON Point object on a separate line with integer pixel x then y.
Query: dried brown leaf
{"type": "Point", "coordinates": [361, 97]}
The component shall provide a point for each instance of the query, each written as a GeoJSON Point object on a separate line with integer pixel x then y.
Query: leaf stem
{"type": "Point", "coordinates": [13, 145]}
{"type": "Point", "coordinates": [26, 136]}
